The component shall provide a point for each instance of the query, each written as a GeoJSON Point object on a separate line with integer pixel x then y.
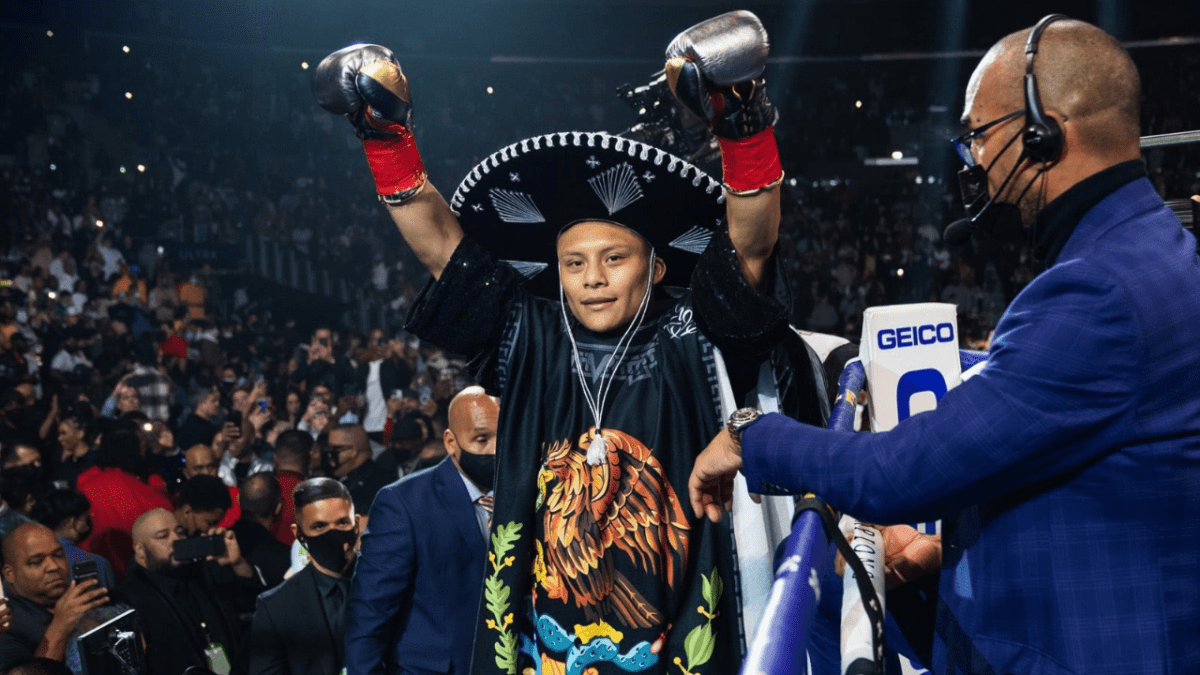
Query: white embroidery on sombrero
{"type": "Point", "coordinates": [617, 187]}
{"type": "Point", "coordinates": [527, 268]}
{"type": "Point", "coordinates": [515, 207]}
{"type": "Point", "coordinates": [694, 240]}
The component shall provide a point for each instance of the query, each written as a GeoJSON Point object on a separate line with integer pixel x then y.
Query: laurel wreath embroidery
{"type": "Point", "coordinates": [700, 642]}
{"type": "Point", "coordinates": [496, 594]}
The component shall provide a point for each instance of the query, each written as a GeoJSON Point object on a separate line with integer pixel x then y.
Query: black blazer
{"type": "Point", "coordinates": [290, 633]}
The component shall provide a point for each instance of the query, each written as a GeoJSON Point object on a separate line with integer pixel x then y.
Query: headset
{"type": "Point", "coordinates": [1042, 137]}
{"type": "Point", "coordinates": [1041, 142]}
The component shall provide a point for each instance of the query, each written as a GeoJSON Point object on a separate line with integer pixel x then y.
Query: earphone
{"type": "Point", "coordinates": [1042, 137]}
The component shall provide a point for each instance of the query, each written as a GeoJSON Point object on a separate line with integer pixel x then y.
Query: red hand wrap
{"type": "Point", "coordinates": [750, 163]}
{"type": "Point", "coordinates": [395, 162]}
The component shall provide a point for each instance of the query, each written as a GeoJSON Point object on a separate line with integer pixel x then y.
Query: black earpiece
{"type": "Point", "coordinates": [1043, 137]}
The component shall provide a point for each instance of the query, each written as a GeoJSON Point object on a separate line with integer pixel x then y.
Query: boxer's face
{"type": "Point", "coordinates": [603, 268]}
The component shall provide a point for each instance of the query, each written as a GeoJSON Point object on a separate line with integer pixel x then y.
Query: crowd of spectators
{"type": "Point", "coordinates": [144, 398]}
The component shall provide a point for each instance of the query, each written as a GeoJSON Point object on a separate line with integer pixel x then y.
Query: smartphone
{"type": "Point", "coordinates": [198, 548]}
{"type": "Point", "coordinates": [82, 570]}
{"type": "Point", "coordinates": [264, 404]}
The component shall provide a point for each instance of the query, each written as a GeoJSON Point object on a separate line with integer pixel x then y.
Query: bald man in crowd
{"type": "Point", "coordinates": [173, 597]}
{"type": "Point", "coordinates": [202, 460]}
{"type": "Point", "coordinates": [262, 502]}
{"type": "Point", "coordinates": [1066, 471]}
{"type": "Point", "coordinates": [416, 590]}
{"type": "Point", "coordinates": [46, 604]}
{"type": "Point", "coordinates": [349, 461]}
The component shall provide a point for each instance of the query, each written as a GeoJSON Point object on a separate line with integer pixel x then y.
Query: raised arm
{"type": "Point", "coordinates": [365, 83]}
{"type": "Point", "coordinates": [715, 70]}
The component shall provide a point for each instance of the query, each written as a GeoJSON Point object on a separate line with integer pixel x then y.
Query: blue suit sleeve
{"type": "Point", "coordinates": [1058, 391]}
{"type": "Point", "coordinates": [382, 578]}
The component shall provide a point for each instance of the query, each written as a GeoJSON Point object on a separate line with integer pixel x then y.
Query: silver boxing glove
{"type": "Point", "coordinates": [715, 70]}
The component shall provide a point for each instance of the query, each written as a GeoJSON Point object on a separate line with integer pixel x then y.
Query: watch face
{"type": "Point", "coordinates": [743, 416]}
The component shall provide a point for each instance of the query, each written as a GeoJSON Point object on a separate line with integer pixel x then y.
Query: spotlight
{"type": "Point", "coordinates": [897, 155]}
{"type": "Point", "coordinates": [52, 295]}
{"type": "Point", "coordinates": [304, 65]}
{"type": "Point", "coordinates": [49, 33]}
{"type": "Point", "coordinates": [920, 180]}
{"type": "Point", "coordinates": [900, 272]}
{"type": "Point", "coordinates": [141, 168]}
{"type": "Point", "coordinates": [129, 95]}
{"type": "Point", "coordinates": [54, 167]}
{"type": "Point", "coordinates": [792, 182]}
{"type": "Point", "coordinates": [490, 91]}
{"type": "Point", "coordinates": [160, 250]}
{"type": "Point", "coordinates": [99, 223]}
{"type": "Point", "coordinates": [125, 49]}
{"type": "Point", "coordinates": [858, 104]}
{"type": "Point", "coordinates": [122, 169]}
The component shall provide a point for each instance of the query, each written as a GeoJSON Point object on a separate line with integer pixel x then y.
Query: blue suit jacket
{"type": "Point", "coordinates": [1068, 470]}
{"type": "Point", "coordinates": [416, 589]}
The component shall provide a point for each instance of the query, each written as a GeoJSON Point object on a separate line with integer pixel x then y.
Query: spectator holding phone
{"type": "Point", "coordinates": [46, 604]}
{"type": "Point", "coordinates": [189, 602]}
{"type": "Point", "coordinates": [320, 366]}
{"type": "Point", "coordinates": [68, 514]}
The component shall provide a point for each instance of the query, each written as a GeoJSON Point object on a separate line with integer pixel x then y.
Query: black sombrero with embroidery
{"type": "Point", "coordinates": [515, 202]}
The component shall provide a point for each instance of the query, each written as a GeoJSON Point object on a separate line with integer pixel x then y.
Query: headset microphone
{"type": "Point", "coordinates": [959, 232]}
{"type": "Point", "coordinates": [1041, 141]}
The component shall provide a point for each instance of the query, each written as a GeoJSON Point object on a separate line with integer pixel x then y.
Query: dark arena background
{"type": "Point", "coordinates": [188, 132]}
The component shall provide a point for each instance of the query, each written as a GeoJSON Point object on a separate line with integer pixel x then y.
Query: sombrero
{"type": "Point", "coordinates": [516, 201]}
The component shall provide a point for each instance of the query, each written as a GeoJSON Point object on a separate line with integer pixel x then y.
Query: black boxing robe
{"type": "Point", "coordinates": [603, 569]}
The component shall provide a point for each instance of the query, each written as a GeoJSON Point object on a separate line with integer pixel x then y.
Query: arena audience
{"type": "Point", "coordinates": [187, 606]}
{"type": "Point", "coordinates": [67, 513]}
{"type": "Point", "coordinates": [45, 602]}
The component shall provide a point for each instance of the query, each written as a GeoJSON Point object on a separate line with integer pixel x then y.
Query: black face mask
{"type": "Point", "coordinates": [1002, 218]}
{"type": "Point", "coordinates": [332, 550]}
{"type": "Point", "coordinates": [481, 469]}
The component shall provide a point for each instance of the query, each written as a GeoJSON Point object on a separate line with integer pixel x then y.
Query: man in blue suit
{"type": "Point", "coordinates": [415, 594]}
{"type": "Point", "coordinates": [1066, 472]}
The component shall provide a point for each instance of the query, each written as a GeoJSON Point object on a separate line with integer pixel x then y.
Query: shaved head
{"type": "Point", "coordinates": [473, 418]}
{"type": "Point", "coordinates": [1083, 74]}
{"type": "Point", "coordinates": [148, 522]}
{"type": "Point", "coordinates": [463, 407]}
{"type": "Point", "coordinates": [18, 538]}
{"type": "Point", "coordinates": [154, 535]}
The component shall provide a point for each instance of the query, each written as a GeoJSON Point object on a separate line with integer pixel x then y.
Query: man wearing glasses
{"type": "Point", "coordinates": [1066, 472]}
